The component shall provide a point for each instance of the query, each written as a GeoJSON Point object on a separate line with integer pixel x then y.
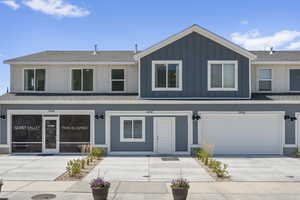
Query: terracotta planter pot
{"type": "Point", "coordinates": [180, 193]}
{"type": "Point", "coordinates": [100, 193]}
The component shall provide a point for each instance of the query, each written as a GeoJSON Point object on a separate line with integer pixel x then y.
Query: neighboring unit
{"type": "Point", "coordinates": [191, 89]}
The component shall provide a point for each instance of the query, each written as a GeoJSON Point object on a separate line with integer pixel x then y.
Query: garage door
{"type": "Point", "coordinates": [242, 133]}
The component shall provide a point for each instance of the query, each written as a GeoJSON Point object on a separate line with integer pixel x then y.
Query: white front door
{"type": "Point", "coordinates": [50, 134]}
{"type": "Point", "coordinates": [164, 135]}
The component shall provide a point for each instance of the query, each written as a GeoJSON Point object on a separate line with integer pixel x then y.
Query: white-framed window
{"type": "Point", "coordinates": [167, 75]}
{"type": "Point", "coordinates": [82, 79]}
{"type": "Point", "coordinates": [34, 79]}
{"type": "Point", "coordinates": [264, 79]}
{"type": "Point", "coordinates": [132, 129]}
{"type": "Point", "coordinates": [222, 75]}
{"type": "Point", "coordinates": [117, 80]}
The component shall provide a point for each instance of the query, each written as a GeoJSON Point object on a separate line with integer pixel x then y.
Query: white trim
{"type": "Point", "coordinates": [44, 149]}
{"type": "Point", "coordinates": [47, 113]}
{"type": "Point", "coordinates": [276, 62]}
{"type": "Point", "coordinates": [288, 80]}
{"type": "Point", "coordinates": [222, 62]}
{"type": "Point", "coordinates": [166, 62]}
{"type": "Point", "coordinates": [258, 69]}
{"type": "Point", "coordinates": [155, 135]}
{"type": "Point", "coordinates": [68, 63]}
{"type": "Point", "coordinates": [201, 31]}
{"type": "Point", "coordinates": [250, 79]}
{"type": "Point", "coordinates": [279, 114]}
{"type": "Point", "coordinates": [122, 139]}
{"type": "Point", "coordinates": [34, 71]}
{"type": "Point", "coordinates": [159, 101]}
{"type": "Point", "coordinates": [109, 114]}
{"type": "Point", "coordinates": [297, 129]}
{"type": "Point", "coordinates": [139, 79]}
{"type": "Point", "coordinates": [124, 80]}
{"type": "Point", "coordinates": [82, 68]}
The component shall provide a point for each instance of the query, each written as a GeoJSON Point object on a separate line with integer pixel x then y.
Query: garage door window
{"type": "Point", "coordinates": [132, 129]}
{"type": "Point", "coordinates": [265, 79]}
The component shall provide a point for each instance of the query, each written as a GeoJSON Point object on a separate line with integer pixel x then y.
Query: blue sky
{"type": "Point", "coordinates": [29, 26]}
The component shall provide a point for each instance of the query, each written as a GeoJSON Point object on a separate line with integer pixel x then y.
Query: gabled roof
{"type": "Point", "coordinates": [75, 57]}
{"type": "Point", "coordinates": [292, 57]}
{"type": "Point", "coordinates": [196, 28]}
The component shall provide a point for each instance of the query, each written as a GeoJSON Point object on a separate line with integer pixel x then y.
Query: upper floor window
{"type": "Point", "coordinates": [34, 79]}
{"type": "Point", "coordinates": [265, 80]}
{"type": "Point", "coordinates": [222, 75]}
{"type": "Point", "coordinates": [117, 80]}
{"type": "Point", "coordinates": [82, 80]}
{"type": "Point", "coordinates": [132, 129]}
{"type": "Point", "coordinates": [167, 75]}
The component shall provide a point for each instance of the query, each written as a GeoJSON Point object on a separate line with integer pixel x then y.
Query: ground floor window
{"type": "Point", "coordinates": [132, 129]}
{"type": "Point", "coordinates": [26, 133]}
{"type": "Point", "coordinates": [74, 133]}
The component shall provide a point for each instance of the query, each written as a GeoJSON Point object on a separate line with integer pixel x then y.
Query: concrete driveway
{"type": "Point", "coordinates": [32, 167]}
{"type": "Point", "coordinates": [263, 168]}
{"type": "Point", "coordinates": [148, 169]}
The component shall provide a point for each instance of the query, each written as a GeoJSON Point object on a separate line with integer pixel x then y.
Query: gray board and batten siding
{"type": "Point", "coordinates": [194, 50]}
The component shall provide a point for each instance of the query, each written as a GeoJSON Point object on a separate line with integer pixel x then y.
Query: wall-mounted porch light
{"type": "Point", "coordinates": [99, 116]}
{"type": "Point", "coordinates": [3, 117]}
{"type": "Point", "coordinates": [196, 117]}
{"type": "Point", "coordinates": [286, 117]}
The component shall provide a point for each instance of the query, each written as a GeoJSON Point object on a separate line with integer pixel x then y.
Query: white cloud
{"type": "Point", "coordinates": [253, 40]}
{"type": "Point", "coordinates": [244, 22]}
{"type": "Point", "coordinates": [57, 8]}
{"type": "Point", "coordinates": [294, 45]}
{"type": "Point", "coordinates": [10, 3]}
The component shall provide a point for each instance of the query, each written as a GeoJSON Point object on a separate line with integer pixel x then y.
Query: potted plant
{"type": "Point", "coordinates": [180, 188]}
{"type": "Point", "coordinates": [100, 188]}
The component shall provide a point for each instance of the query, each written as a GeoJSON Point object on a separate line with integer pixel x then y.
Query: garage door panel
{"type": "Point", "coordinates": [242, 133]}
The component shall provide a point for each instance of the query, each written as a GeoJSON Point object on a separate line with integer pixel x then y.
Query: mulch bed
{"type": "Point", "coordinates": [213, 174]}
{"type": "Point", "coordinates": [88, 168]}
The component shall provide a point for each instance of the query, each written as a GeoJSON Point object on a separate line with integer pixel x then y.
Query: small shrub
{"type": "Point", "coordinates": [97, 152]}
{"type": "Point", "coordinates": [82, 163]}
{"type": "Point", "coordinates": [74, 167]}
{"type": "Point", "coordinates": [87, 161]}
{"type": "Point", "coordinates": [180, 183]}
{"type": "Point", "coordinates": [219, 169]}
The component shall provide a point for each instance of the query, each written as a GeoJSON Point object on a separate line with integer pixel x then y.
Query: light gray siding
{"type": "Point", "coordinates": [195, 51]}
{"type": "Point", "coordinates": [100, 124]}
{"type": "Point", "coordinates": [294, 79]}
{"type": "Point", "coordinates": [58, 77]}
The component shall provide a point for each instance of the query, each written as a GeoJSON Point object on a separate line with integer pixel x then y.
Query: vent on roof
{"type": "Point", "coordinates": [271, 50]}
{"type": "Point", "coordinates": [135, 48]}
{"type": "Point", "coordinates": [95, 49]}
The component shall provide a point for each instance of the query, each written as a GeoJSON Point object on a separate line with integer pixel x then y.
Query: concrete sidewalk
{"type": "Point", "coordinates": [23, 190]}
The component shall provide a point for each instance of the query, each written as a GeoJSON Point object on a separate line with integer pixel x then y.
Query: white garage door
{"type": "Point", "coordinates": [242, 133]}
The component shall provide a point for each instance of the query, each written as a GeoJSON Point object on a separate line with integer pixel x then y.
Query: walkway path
{"type": "Point", "coordinates": [24, 190]}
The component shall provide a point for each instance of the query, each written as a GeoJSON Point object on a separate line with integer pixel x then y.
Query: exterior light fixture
{"type": "Point", "coordinates": [196, 117]}
{"type": "Point", "coordinates": [3, 117]}
{"type": "Point", "coordinates": [286, 117]}
{"type": "Point", "coordinates": [99, 116]}
{"type": "Point", "coordinates": [293, 118]}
